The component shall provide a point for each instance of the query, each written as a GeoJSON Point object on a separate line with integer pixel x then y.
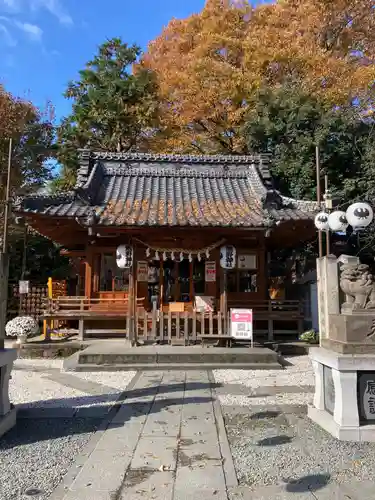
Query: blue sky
{"type": "Point", "coordinates": [44, 43]}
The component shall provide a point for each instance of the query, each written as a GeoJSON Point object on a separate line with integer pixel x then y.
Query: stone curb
{"type": "Point", "coordinates": [61, 490]}
{"type": "Point", "coordinates": [86, 367]}
{"type": "Point", "coordinates": [228, 465]}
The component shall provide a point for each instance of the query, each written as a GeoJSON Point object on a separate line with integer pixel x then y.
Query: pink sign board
{"type": "Point", "coordinates": [242, 324]}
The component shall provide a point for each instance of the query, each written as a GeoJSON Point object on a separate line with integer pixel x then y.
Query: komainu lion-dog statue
{"type": "Point", "coordinates": [357, 282]}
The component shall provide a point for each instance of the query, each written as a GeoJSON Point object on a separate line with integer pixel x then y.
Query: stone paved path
{"type": "Point", "coordinates": [167, 441]}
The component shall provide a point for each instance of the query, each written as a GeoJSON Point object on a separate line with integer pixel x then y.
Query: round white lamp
{"type": "Point", "coordinates": [321, 221]}
{"type": "Point", "coordinates": [337, 221]}
{"type": "Point", "coordinates": [359, 215]}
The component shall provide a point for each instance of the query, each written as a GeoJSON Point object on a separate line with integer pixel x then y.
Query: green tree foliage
{"type": "Point", "coordinates": [288, 124]}
{"type": "Point", "coordinates": [42, 259]}
{"type": "Point", "coordinates": [114, 109]}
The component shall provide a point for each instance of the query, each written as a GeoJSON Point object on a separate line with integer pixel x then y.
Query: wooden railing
{"type": "Point", "coordinates": [269, 306]}
{"type": "Point", "coordinates": [75, 307]}
{"type": "Point", "coordinates": [172, 327]}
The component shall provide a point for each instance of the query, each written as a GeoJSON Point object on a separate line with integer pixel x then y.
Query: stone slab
{"type": "Point", "coordinates": [155, 452]}
{"type": "Point", "coordinates": [147, 485]}
{"type": "Point", "coordinates": [158, 426]}
{"type": "Point", "coordinates": [205, 477]}
{"type": "Point", "coordinates": [199, 494]}
{"type": "Point", "coordinates": [119, 439]}
{"type": "Point", "coordinates": [103, 471]}
{"type": "Point", "coordinates": [89, 494]}
{"type": "Point", "coordinates": [93, 411]}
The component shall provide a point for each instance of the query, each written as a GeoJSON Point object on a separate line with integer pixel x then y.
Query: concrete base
{"type": "Point", "coordinates": [365, 433]}
{"type": "Point", "coordinates": [8, 421]}
{"type": "Point", "coordinates": [114, 356]}
{"type": "Point", "coordinates": [340, 414]}
{"type": "Point", "coordinates": [7, 411]}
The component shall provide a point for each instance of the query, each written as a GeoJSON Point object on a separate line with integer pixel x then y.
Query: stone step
{"type": "Point", "coordinates": [166, 366]}
{"type": "Point", "coordinates": [114, 355]}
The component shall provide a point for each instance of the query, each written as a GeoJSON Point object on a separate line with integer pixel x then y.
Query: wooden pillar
{"type": "Point", "coordinates": [191, 281]}
{"type": "Point", "coordinates": [132, 301]}
{"type": "Point", "coordinates": [96, 272]}
{"type": "Point", "coordinates": [89, 273]}
{"type": "Point", "coordinates": [176, 291]}
{"type": "Point", "coordinates": [224, 299]}
{"type": "Point", "coordinates": [161, 284]}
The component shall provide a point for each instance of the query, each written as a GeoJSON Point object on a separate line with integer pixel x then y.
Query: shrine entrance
{"type": "Point", "coordinates": [175, 282]}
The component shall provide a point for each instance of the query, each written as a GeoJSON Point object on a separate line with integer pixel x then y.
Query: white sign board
{"type": "Point", "coordinates": [204, 303]}
{"type": "Point", "coordinates": [210, 271]}
{"type": "Point", "coordinates": [247, 261]}
{"type": "Point", "coordinates": [142, 271]}
{"type": "Point", "coordinates": [242, 324]}
{"type": "Point", "coordinates": [23, 287]}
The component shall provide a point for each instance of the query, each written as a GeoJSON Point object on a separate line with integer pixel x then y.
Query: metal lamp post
{"type": "Point", "coordinates": [4, 258]}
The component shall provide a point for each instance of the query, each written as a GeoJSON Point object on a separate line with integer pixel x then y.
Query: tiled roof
{"type": "Point", "coordinates": [171, 190]}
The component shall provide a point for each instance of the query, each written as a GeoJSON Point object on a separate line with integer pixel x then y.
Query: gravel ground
{"type": "Point", "coordinates": [37, 454]}
{"type": "Point", "coordinates": [30, 386]}
{"type": "Point", "coordinates": [271, 438]}
{"type": "Point", "coordinates": [276, 448]}
{"type": "Point", "coordinates": [298, 373]}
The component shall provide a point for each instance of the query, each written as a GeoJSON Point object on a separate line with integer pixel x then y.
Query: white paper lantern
{"type": "Point", "coordinates": [124, 256]}
{"type": "Point", "coordinates": [228, 257]}
{"type": "Point", "coordinates": [321, 221]}
{"type": "Point", "coordinates": [359, 215]}
{"type": "Point", "coordinates": [337, 221]}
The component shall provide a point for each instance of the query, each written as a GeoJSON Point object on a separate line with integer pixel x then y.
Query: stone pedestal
{"type": "Point", "coordinates": [344, 401]}
{"type": "Point", "coordinates": [7, 411]}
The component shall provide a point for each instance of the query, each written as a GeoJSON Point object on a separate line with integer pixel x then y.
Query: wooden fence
{"type": "Point", "coordinates": [180, 327]}
{"type": "Point", "coordinates": [270, 318]}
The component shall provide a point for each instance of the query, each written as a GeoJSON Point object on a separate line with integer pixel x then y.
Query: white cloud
{"type": "Point", "coordinates": [32, 30]}
{"type": "Point", "coordinates": [54, 7]}
{"type": "Point", "coordinates": [7, 36]}
{"type": "Point", "coordinates": [12, 4]}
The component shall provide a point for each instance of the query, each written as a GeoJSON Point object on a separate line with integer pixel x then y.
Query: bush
{"type": "Point", "coordinates": [310, 336]}
{"type": "Point", "coordinates": [21, 325]}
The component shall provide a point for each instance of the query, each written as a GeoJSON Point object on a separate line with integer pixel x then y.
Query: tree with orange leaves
{"type": "Point", "coordinates": [33, 135]}
{"type": "Point", "coordinates": [209, 66]}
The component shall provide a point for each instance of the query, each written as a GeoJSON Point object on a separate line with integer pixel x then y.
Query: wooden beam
{"type": "Point", "coordinates": [73, 253]}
